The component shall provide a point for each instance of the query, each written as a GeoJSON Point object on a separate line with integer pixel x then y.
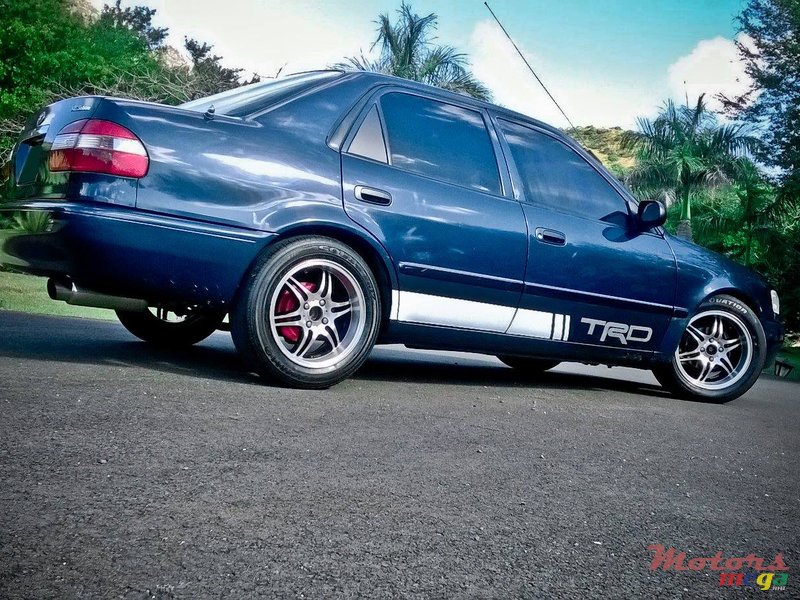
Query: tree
{"type": "Point", "coordinates": [746, 220]}
{"type": "Point", "coordinates": [138, 19]}
{"type": "Point", "coordinates": [50, 51]}
{"type": "Point", "coordinates": [209, 74]}
{"type": "Point", "coordinates": [683, 151]}
{"type": "Point", "coordinates": [407, 50]}
{"type": "Point", "coordinates": [44, 46]}
{"type": "Point", "coordinates": [771, 52]}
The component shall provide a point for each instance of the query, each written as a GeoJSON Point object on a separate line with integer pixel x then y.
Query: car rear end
{"type": "Point", "coordinates": [70, 214]}
{"type": "Point", "coordinates": [119, 197]}
{"type": "Point", "coordinates": [65, 169]}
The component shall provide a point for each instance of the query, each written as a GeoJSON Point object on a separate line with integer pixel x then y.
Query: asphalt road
{"type": "Point", "coordinates": [131, 472]}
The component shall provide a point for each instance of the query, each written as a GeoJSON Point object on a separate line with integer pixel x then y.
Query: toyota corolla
{"type": "Point", "coordinates": [326, 212]}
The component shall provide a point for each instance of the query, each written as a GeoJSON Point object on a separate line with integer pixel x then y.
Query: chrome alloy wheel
{"type": "Point", "coordinates": [716, 350]}
{"type": "Point", "coordinates": [316, 314]}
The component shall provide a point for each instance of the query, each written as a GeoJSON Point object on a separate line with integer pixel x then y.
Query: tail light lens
{"type": "Point", "coordinates": [95, 146]}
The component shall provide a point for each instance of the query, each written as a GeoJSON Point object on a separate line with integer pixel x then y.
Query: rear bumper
{"type": "Point", "coordinates": [122, 251]}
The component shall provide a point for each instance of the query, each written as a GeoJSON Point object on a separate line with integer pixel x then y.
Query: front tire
{"type": "Point", "coordinates": [308, 314]}
{"type": "Point", "coordinates": [720, 355]}
{"type": "Point", "coordinates": [162, 327]}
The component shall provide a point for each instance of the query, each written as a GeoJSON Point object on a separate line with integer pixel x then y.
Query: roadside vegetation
{"type": "Point", "coordinates": [731, 180]}
{"type": "Point", "coordinates": [29, 294]}
{"type": "Point", "coordinates": [606, 143]}
{"type": "Point", "coordinates": [52, 49]}
{"type": "Point", "coordinates": [407, 49]}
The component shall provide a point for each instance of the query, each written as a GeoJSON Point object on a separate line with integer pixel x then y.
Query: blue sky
{"type": "Point", "coordinates": [606, 62]}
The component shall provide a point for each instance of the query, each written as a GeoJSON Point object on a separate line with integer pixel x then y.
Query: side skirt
{"type": "Point", "coordinates": [436, 337]}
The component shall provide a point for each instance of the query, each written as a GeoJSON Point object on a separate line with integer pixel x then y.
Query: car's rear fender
{"type": "Point", "coordinates": [338, 227]}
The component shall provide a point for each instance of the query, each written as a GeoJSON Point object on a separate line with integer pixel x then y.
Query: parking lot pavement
{"type": "Point", "coordinates": [133, 472]}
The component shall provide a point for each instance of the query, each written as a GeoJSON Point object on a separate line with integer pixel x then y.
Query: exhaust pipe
{"type": "Point", "coordinates": [70, 294]}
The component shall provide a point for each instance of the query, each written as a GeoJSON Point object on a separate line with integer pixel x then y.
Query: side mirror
{"type": "Point", "coordinates": [652, 213]}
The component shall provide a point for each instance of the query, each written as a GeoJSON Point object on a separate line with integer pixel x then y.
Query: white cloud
{"type": "Point", "coordinates": [587, 98]}
{"type": "Point", "coordinates": [263, 36]}
{"type": "Point", "coordinates": [712, 67]}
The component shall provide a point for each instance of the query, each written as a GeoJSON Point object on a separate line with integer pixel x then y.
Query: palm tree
{"type": "Point", "coordinates": [751, 209]}
{"type": "Point", "coordinates": [685, 151]}
{"type": "Point", "coordinates": [407, 49]}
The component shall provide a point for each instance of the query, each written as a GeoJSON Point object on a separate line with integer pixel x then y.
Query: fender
{"type": "Point", "coordinates": [339, 226]}
{"type": "Point", "coordinates": [678, 323]}
{"type": "Point", "coordinates": [353, 236]}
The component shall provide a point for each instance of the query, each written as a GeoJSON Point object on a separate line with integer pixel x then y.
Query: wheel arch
{"type": "Point", "coordinates": [675, 331]}
{"type": "Point", "coordinates": [365, 246]}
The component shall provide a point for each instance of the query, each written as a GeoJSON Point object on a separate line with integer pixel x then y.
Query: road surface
{"type": "Point", "coordinates": [133, 472]}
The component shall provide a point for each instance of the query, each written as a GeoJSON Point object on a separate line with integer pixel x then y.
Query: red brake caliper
{"type": "Point", "coordinates": [288, 302]}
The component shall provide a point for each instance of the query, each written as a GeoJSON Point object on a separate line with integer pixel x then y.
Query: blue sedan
{"type": "Point", "coordinates": [326, 212]}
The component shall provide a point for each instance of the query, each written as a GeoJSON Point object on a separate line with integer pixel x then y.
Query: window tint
{"type": "Point", "coordinates": [368, 142]}
{"type": "Point", "coordinates": [441, 141]}
{"type": "Point", "coordinates": [554, 175]}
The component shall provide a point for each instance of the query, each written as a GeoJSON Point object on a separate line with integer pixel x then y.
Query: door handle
{"type": "Point", "coordinates": [551, 236]}
{"type": "Point", "coordinates": [372, 195]}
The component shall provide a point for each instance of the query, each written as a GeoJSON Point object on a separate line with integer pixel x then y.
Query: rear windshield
{"type": "Point", "coordinates": [248, 99]}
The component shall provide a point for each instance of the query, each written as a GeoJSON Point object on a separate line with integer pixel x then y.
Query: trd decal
{"type": "Point", "coordinates": [619, 331]}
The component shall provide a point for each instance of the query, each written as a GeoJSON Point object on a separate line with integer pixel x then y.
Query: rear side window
{"type": "Point", "coordinates": [556, 176]}
{"type": "Point", "coordinates": [369, 142]}
{"type": "Point", "coordinates": [440, 140]}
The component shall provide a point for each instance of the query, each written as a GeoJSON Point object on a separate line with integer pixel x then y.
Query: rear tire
{"type": "Point", "coordinates": [308, 314]}
{"type": "Point", "coordinates": [183, 330]}
{"type": "Point", "coordinates": [720, 355]}
{"type": "Point", "coordinates": [529, 366]}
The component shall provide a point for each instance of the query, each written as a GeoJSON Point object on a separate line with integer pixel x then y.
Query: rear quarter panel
{"type": "Point", "coordinates": [260, 173]}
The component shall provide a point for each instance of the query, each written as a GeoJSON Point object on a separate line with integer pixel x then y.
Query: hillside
{"type": "Point", "coordinates": [606, 144]}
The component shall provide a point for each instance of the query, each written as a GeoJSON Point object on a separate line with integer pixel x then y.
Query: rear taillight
{"type": "Point", "coordinates": [96, 146]}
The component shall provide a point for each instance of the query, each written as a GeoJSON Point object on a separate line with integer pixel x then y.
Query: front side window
{"type": "Point", "coordinates": [555, 176]}
{"type": "Point", "coordinates": [440, 140]}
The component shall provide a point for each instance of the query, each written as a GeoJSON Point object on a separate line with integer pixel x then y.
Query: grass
{"type": "Point", "coordinates": [791, 355]}
{"type": "Point", "coordinates": [25, 293]}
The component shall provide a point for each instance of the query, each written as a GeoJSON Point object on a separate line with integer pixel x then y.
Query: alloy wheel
{"type": "Point", "coordinates": [316, 314]}
{"type": "Point", "coordinates": [716, 350]}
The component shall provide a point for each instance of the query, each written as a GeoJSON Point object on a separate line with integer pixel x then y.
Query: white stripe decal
{"type": "Point", "coordinates": [453, 312]}
{"type": "Point", "coordinates": [427, 309]}
{"type": "Point", "coordinates": [532, 323]}
{"type": "Point", "coordinates": [558, 328]}
{"type": "Point", "coordinates": [393, 314]}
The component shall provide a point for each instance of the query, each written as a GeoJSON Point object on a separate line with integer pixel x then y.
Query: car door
{"type": "Point", "coordinates": [607, 282]}
{"type": "Point", "coordinates": [421, 175]}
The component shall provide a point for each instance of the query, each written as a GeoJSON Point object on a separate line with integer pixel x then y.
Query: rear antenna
{"type": "Point", "coordinates": [527, 64]}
